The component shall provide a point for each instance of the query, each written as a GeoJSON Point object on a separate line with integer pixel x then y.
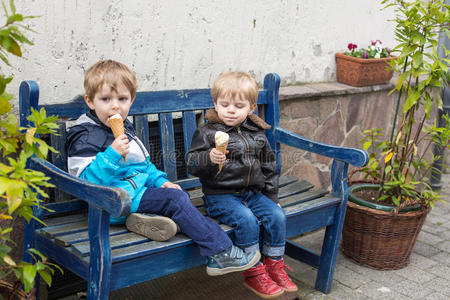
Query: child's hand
{"type": "Point", "coordinates": [121, 145]}
{"type": "Point", "coordinates": [217, 157]}
{"type": "Point", "coordinates": [171, 185]}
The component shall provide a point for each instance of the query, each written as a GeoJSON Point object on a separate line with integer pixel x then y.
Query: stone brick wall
{"type": "Point", "coordinates": [331, 113]}
{"type": "Point", "coordinates": [335, 114]}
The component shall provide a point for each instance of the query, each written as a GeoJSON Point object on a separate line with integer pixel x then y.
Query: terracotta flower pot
{"type": "Point", "coordinates": [356, 71]}
{"type": "Point", "coordinates": [380, 239]}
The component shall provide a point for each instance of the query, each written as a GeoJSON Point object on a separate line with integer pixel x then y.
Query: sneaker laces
{"type": "Point", "coordinates": [263, 277]}
{"type": "Point", "coordinates": [279, 267]}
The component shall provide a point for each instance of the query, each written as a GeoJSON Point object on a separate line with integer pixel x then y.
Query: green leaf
{"type": "Point", "coordinates": [5, 106]}
{"type": "Point", "coordinates": [4, 82]}
{"type": "Point", "coordinates": [411, 100]}
{"type": "Point", "coordinates": [29, 272]}
{"type": "Point", "coordinates": [7, 42]}
{"type": "Point", "coordinates": [13, 7]}
{"type": "Point", "coordinates": [4, 58]}
{"type": "Point", "coordinates": [400, 80]}
{"type": "Point", "coordinates": [14, 194]}
{"type": "Point", "coordinates": [4, 182]}
{"type": "Point", "coordinates": [43, 148]}
{"type": "Point", "coordinates": [32, 250]}
{"type": "Point", "coordinates": [428, 105]}
{"type": "Point", "coordinates": [395, 200]}
{"type": "Point", "coordinates": [417, 59]}
{"type": "Point", "coordinates": [46, 276]}
{"type": "Point", "coordinates": [29, 135]}
{"type": "Point", "coordinates": [367, 144]}
{"type": "Point", "coordinates": [15, 49]}
{"type": "Point", "coordinates": [387, 169]}
{"type": "Point", "coordinates": [439, 101]}
{"type": "Point", "coordinates": [26, 212]}
{"type": "Point", "coordinates": [4, 248]}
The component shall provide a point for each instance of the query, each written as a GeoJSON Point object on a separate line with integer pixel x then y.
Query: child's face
{"type": "Point", "coordinates": [107, 102]}
{"type": "Point", "coordinates": [233, 111]}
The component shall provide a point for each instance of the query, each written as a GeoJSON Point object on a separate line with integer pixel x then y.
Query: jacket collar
{"type": "Point", "coordinates": [252, 122]}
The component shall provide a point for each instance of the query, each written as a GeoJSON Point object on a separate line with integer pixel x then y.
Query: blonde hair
{"type": "Point", "coordinates": [108, 72]}
{"type": "Point", "coordinates": [232, 84]}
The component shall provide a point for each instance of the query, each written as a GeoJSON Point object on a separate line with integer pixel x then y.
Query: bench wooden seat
{"type": "Point", "coordinates": [78, 234]}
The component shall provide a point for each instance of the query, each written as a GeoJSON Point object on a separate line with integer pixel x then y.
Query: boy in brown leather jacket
{"type": "Point", "coordinates": [242, 192]}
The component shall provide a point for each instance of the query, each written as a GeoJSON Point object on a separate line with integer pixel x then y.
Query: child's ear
{"type": "Point", "coordinates": [88, 102]}
{"type": "Point", "coordinates": [252, 109]}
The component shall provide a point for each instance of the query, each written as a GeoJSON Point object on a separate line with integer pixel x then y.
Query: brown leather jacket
{"type": "Point", "coordinates": [250, 164]}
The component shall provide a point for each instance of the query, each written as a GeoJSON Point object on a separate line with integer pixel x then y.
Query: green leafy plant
{"type": "Point", "coordinates": [20, 188]}
{"type": "Point", "coordinates": [403, 163]}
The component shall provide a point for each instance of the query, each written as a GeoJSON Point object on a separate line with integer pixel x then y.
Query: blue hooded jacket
{"type": "Point", "coordinates": [91, 157]}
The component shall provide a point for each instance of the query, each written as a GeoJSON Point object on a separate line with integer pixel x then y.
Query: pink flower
{"type": "Point", "coordinates": [374, 42]}
{"type": "Point", "coordinates": [365, 55]}
{"type": "Point", "coordinates": [351, 46]}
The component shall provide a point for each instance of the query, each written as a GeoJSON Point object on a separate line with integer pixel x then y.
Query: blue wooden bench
{"type": "Point", "coordinates": [79, 237]}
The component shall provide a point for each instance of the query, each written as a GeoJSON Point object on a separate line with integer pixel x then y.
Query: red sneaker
{"type": "Point", "coordinates": [258, 281]}
{"type": "Point", "coordinates": [275, 269]}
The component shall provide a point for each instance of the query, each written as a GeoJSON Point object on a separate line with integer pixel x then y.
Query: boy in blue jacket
{"type": "Point", "coordinates": [95, 155]}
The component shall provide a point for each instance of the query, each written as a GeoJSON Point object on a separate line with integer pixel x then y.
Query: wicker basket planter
{"type": "Point", "coordinates": [380, 239]}
{"type": "Point", "coordinates": [356, 71]}
{"type": "Point", "coordinates": [9, 291]}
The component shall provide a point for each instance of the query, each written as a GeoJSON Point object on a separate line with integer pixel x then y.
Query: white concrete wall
{"type": "Point", "coordinates": [174, 44]}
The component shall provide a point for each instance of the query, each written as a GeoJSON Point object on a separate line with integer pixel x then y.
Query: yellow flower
{"type": "Point", "coordinates": [388, 157]}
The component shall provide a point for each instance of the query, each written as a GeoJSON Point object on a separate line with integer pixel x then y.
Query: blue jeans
{"type": "Point", "coordinates": [244, 212]}
{"type": "Point", "coordinates": [176, 204]}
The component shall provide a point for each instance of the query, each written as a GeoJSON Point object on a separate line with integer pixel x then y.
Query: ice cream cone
{"type": "Point", "coordinates": [221, 144]}
{"type": "Point", "coordinates": [116, 124]}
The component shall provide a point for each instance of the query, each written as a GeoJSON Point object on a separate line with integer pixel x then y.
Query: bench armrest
{"type": "Point", "coordinates": [353, 156]}
{"type": "Point", "coordinates": [115, 201]}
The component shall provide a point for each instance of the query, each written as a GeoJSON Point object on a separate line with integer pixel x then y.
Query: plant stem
{"type": "Point", "coordinates": [393, 125]}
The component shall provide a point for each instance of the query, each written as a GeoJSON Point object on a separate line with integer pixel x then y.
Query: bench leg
{"type": "Point", "coordinates": [100, 261]}
{"type": "Point", "coordinates": [328, 258]}
{"type": "Point", "coordinates": [330, 247]}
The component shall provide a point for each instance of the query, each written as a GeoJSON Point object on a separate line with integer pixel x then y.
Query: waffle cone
{"type": "Point", "coordinates": [222, 148]}
{"type": "Point", "coordinates": [117, 129]}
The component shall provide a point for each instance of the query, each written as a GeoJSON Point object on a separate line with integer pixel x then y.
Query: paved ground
{"type": "Point", "coordinates": [426, 277]}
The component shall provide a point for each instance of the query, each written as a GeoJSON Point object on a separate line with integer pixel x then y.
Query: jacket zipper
{"type": "Point", "coordinates": [248, 156]}
{"type": "Point", "coordinates": [128, 178]}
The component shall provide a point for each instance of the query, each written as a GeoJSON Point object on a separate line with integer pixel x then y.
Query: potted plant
{"type": "Point", "coordinates": [401, 165]}
{"type": "Point", "coordinates": [20, 188]}
{"type": "Point", "coordinates": [364, 66]}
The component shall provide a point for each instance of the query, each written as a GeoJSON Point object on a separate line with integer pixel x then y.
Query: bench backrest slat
{"type": "Point", "coordinates": [189, 127]}
{"type": "Point", "coordinates": [166, 134]}
{"type": "Point", "coordinates": [142, 130]}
